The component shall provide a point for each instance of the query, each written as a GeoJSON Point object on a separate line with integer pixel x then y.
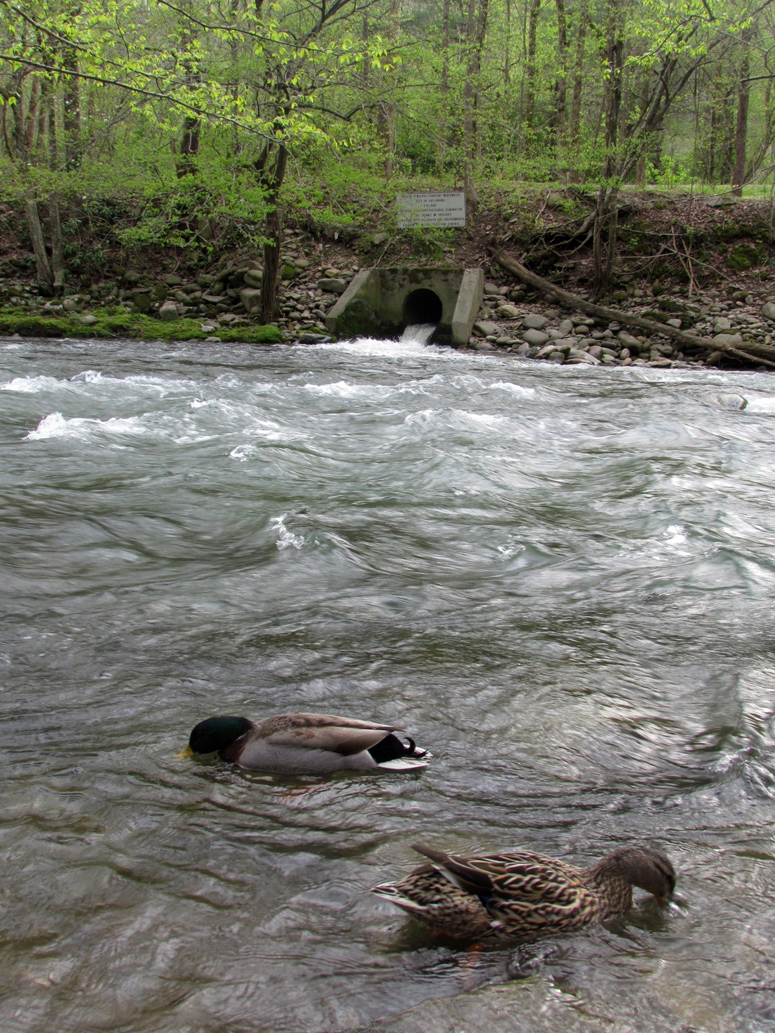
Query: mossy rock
{"type": "Point", "coordinates": [287, 272]}
{"type": "Point", "coordinates": [33, 326]}
{"type": "Point", "coordinates": [132, 325]}
{"type": "Point", "coordinates": [743, 257]}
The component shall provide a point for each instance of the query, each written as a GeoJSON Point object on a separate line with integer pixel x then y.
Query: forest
{"type": "Point", "coordinates": [197, 114]}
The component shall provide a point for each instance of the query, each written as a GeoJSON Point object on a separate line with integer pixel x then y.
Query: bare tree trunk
{"type": "Point", "coordinates": [386, 121]}
{"type": "Point", "coordinates": [606, 216]}
{"type": "Point", "coordinates": [578, 78]}
{"type": "Point", "coordinates": [45, 273]}
{"type": "Point", "coordinates": [481, 32]}
{"type": "Point", "coordinates": [188, 147]}
{"type": "Point", "coordinates": [72, 111]}
{"type": "Point", "coordinates": [535, 6]}
{"type": "Point", "coordinates": [741, 127]}
{"type": "Point", "coordinates": [57, 260]}
{"type": "Point", "coordinates": [442, 146]}
{"type": "Point", "coordinates": [274, 240]}
{"type": "Point", "coordinates": [561, 82]}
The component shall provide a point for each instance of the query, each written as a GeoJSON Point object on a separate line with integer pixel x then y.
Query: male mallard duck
{"type": "Point", "coordinates": [524, 895]}
{"type": "Point", "coordinates": [305, 744]}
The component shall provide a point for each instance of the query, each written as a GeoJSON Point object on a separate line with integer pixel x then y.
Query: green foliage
{"type": "Point", "coordinates": [670, 173]}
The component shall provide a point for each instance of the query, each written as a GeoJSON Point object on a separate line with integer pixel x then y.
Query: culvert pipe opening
{"type": "Point", "coordinates": [422, 306]}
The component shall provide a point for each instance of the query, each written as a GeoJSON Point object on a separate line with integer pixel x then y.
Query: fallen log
{"type": "Point", "coordinates": [757, 354]}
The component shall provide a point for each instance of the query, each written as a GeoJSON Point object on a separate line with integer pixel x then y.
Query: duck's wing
{"type": "Point", "coordinates": [343, 735]}
{"type": "Point", "coordinates": [519, 875]}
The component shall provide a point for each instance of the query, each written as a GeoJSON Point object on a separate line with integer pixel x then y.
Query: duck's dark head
{"type": "Point", "coordinates": [216, 733]}
{"type": "Point", "coordinates": [646, 868]}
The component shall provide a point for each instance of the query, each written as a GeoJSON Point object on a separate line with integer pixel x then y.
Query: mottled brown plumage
{"type": "Point", "coordinates": [522, 895]}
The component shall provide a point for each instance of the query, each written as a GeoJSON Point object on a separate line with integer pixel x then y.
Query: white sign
{"type": "Point", "coordinates": [431, 209]}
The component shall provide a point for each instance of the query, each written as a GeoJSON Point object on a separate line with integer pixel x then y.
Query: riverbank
{"type": "Point", "coordinates": [702, 264]}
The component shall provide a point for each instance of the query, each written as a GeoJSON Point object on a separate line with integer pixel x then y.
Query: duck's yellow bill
{"type": "Point", "coordinates": [188, 752]}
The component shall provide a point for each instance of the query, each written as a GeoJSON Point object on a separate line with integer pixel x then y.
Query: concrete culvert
{"type": "Point", "coordinates": [422, 306]}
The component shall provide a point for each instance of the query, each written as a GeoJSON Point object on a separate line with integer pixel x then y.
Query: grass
{"type": "Point", "coordinates": [131, 325]}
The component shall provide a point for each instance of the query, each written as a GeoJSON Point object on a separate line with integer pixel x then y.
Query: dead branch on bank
{"type": "Point", "coordinates": [756, 354]}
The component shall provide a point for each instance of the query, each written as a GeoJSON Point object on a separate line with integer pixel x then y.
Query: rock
{"type": "Point", "coordinates": [737, 402]}
{"type": "Point", "coordinates": [168, 311]}
{"type": "Point", "coordinates": [253, 277]}
{"type": "Point", "coordinates": [204, 280]}
{"type": "Point", "coordinates": [628, 341]}
{"type": "Point", "coordinates": [88, 319]}
{"type": "Point", "coordinates": [663, 348]}
{"type": "Point", "coordinates": [768, 310]}
{"type": "Point", "coordinates": [720, 324]}
{"type": "Point", "coordinates": [309, 338]}
{"type": "Point", "coordinates": [251, 299]}
{"type": "Point", "coordinates": [536, 338]}
{"type": "Point", "coordinates": [729, 340]}
{"type": "Point", "coordinates": [485, 328]}
{"type": "Point", "coordinates": [213, 299]}
{"type": "Point", "coordinates": [714, 358]}
{"type": "Point", "coordinates": [70, 305]}
{"type": "Point", "coordinates": [212, 340]}
{"type": "Point", "coordinates": [483, 346]}
{"type": "Point", "coordinates": [546, 351]}
{"type": "Point", "coordinates": [507, 312]}
{"type": "Point", "coordinates": [288, 271]}
{"type": "Point", "coordinates": [577, 358]}
{"type": "Point", "coordinates": [379, 238]}
{"type": "Point", "coordinates": [675, 322]}
{"type": "Point", "coordinates": [141, 299]}
{"type": "Point", "coordinates": [534, 322]}
{"type": "Point", "coordinates": [173, 280]}
{"type": "Point", "coordinates": [132, 276]}
{"type": "Point", "coordinates": [566, 326]}
{"type": "Point", "coordinates": [522, 349]}
{"type": "Point", "coordinates": [491, 288]}
{"type": "Point", "coordinates": [332, 285]}
{"type": "Point", "coordinates": [516, 294]}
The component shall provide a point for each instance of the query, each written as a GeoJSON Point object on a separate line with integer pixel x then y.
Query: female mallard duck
{"type": "Point", "coordinates": [305, 744]}
{"type": "Point", "coordinates": [520, 894]}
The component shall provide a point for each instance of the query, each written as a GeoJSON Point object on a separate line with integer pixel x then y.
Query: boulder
{"type": "Point", "coordinates": [168, 311]}
{"type": "Point", "coordinates": [507, 312]}
{"type": "Point", "coordinates": [534, 322]}
{"type": "Point", "coordinates": [141, 299]}
{"type": "Point", "coordinates": [729, 340]}
{"type": "Point", "coordinates": [332, 285]}
{"type": "Point", "coordinates": [88, 319]}
{"type": "Point", "coordinates": [628, 341]}
{"type": "Point", "coordinates": [251, 299]}
{"type": "Point", "coordinates": [536, 338]}
{"type": "Point", "coordinates": [768, 310]}
{"type": "Point", "coordinates": [485, 328]}
{"type": "Point", "coordinates": [253, 277]}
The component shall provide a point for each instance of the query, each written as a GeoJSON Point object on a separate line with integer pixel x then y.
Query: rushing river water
{"type": "Point", "coordinates": [560, 580]}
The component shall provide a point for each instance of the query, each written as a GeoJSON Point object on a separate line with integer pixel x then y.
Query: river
{"type": "Point", "coordinates": [560, 580]}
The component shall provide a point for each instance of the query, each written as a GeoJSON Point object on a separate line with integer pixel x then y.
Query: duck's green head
{"type": "Point", "coordinates": [216, 733]}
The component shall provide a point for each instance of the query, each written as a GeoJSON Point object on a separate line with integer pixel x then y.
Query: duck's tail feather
{"type": "Point", "coordinates": [395, 755]}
